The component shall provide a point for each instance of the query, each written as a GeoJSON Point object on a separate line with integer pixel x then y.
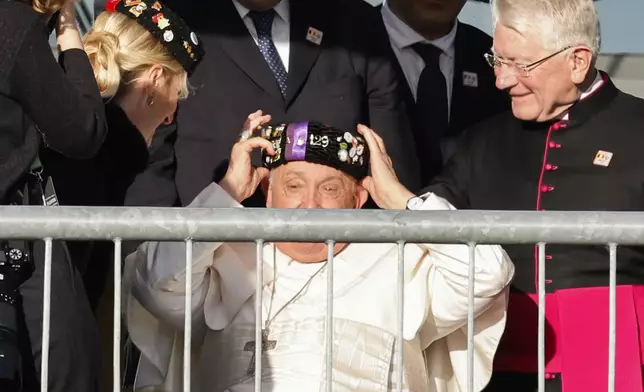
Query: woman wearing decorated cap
{"type": "Point", "coordinates": [142, 54]}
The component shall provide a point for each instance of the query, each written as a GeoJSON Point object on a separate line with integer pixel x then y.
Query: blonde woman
{"type": "Point", "coordinates": [141, 54]}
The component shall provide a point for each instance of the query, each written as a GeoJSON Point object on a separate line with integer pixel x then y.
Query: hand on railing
{"type": "Point", "coordinates": [242, 178]}
{"type": "Point", "coordinates": [382, 183]}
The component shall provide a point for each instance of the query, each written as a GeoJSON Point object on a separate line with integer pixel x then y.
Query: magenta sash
{"type": "Point", "coordinates": [577, 338]}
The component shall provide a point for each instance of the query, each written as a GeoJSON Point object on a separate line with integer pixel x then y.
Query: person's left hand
{"type": "Point", "coordinates": [383, 185]}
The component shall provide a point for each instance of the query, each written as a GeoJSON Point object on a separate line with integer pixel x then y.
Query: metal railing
{"type": "Point", "coordinates": [325, 226]}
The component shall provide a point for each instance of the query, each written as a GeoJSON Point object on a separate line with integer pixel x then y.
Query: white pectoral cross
{"type": "Point", "coordinates": [266, 346]}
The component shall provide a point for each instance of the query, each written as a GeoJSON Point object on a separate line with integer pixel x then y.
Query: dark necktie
{"type": "Point", "coordinates": [264, 25]}
{"type": "Point", "coordinates": [431, 111]}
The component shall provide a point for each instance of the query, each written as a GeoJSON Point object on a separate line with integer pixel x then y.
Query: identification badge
{"type": "Point", "coordinates": [602, 158]}
{"type": "Point", "coordinates": [470, 79]}
{"type": "Point", "coordinates": [314, 35]}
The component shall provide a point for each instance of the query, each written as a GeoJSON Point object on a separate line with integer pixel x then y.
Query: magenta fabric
{"type": "Point", "coordinates": [577, 338]}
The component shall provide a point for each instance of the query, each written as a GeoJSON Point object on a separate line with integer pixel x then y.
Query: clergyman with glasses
{"type": "Point", "coordinates": [573, 141]}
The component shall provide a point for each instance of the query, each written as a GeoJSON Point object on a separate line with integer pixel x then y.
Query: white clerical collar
{"type": "Point", "coordinates": [597, 83]}
{"type": "Point", "coordinates": [281, 9]}
{"type": "Point", "coordinates": [403, 36]}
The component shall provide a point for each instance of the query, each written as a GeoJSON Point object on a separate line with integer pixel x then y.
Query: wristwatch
{"type": "Point", "coordinates": [414, 203]}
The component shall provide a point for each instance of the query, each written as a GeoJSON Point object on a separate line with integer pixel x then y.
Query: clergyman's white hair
{"type": "Point", "coordinates": [558, 23]}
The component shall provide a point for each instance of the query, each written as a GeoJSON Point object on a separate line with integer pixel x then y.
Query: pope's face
{"type": "Point", "coordinates": [309, 185]}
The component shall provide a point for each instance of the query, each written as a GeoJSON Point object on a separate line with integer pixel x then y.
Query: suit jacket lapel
{"type": "Point", "coordinates": [303, 53]}
{"type": "Point", "coordinates": [238, 44]}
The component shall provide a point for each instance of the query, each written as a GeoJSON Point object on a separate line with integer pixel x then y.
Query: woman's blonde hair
{"type": "Point", "coordinates": [47, 6]}
{"type": "Point", "coordinates": [120, 50]}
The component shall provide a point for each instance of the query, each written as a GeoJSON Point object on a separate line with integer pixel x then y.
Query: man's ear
{"type": "Point", "coordinates": [581, 64]}
{"type": "Point", "coordinates": [361, 196]}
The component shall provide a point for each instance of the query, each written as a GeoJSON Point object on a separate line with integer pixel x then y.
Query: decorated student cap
{"type": "Point", "coordinates": [166, 26]}
{"type": "Point", "coordinates": [317, 143]}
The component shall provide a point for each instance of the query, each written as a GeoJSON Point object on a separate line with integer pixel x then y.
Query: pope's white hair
{"type": "Point", "coordinates": [557, 23]}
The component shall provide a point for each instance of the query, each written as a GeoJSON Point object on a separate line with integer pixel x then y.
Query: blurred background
{"type": "Point", "coordinates": [622, 24]}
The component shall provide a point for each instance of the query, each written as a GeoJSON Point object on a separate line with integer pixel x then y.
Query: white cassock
{"type": "Point", "coordinates": [364, 310]}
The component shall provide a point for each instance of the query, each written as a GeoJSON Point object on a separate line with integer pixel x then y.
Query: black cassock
{"type": "Point", "coordinates": [592, 160]}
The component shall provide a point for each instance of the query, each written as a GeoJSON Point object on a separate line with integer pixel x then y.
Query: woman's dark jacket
{"type": "Point", "coordinates": [42, 103]}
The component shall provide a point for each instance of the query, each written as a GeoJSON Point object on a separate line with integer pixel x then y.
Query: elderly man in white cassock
{"type": "Point", "coordinates": [314, 166]}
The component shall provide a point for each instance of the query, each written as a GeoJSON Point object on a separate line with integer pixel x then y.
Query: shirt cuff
{"type": "Point", "coordinates": [434, 202]}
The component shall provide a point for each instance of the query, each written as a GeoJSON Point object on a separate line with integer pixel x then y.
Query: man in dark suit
{"type": "Point", "coordinates": [446, 82]}
{"type": "Point", "coordinates": [294, 59]}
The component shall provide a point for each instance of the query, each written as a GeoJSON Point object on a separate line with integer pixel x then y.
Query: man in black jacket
{"type": "Point", "coordinates": [294, 59]}
{"type": "Point", "coordinates": [445, 80]}
{"type": "Point", "coordinates": [571, 143]}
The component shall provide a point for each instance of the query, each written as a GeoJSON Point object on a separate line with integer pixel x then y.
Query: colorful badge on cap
{"type": "Point", "coordinates": [602, 158]}
{"type": "Point", "coordinates": [314, 35]}
{"type": "Point", "coordinates": [315, 142]}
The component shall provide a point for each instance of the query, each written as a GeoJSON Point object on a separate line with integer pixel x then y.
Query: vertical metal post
{"type": "Point", "coordinates": [400, 289]}
{"type": "Point", "coordinates": [612, 303]}
{"type": "Point", "coordinates": [329, 317]}
{"type": "Point", "coordinates": [46, 318]}
{"type": "Point", "coordinates": [259, 290]}
{"type": "Point", "coordinates": [470, 316]}
{"type": "Point", "coordinates": [541, 343]}
{"type": "Point", "coordinates": [187, 321]}
{"type": "Point", "coordinates": [116, 349]}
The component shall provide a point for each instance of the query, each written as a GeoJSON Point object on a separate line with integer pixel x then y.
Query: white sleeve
{"type": "Point", "coordinates": [448, 280]}
{"type": "Point", "coordinates": [158, 276]}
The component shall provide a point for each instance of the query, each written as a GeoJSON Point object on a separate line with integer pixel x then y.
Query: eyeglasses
{"type": "Point", "coordinates": [518, 69]}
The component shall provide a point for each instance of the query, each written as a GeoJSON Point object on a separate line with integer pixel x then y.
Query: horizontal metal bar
{"type": "Point", "coordinates": [316, 225]}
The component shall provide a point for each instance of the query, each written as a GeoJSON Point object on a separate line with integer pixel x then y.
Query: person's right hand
{"type": "Point", "coordinates": [67, 33]}
{"type": "Point", "coordinates": [242, 178]}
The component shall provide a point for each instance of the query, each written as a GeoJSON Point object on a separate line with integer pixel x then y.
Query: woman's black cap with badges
{"type": "Point", "coordinates": [314, 142]}
{"type": "Point", "coordinates": [166, 26]}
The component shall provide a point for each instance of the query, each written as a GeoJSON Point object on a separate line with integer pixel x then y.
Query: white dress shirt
{"type": "Point", "coordinates": [402, 37]}
{"type": "Point", "coordinates": [281, 28]}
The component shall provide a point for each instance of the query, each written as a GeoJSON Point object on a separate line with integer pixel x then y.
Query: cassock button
{"type": "Point", "coordinates": [547, 188]}
{"type": "Point", "coordinates": [550, 167]}
{"type": "Point", "coordinates": [554, 145]}
{"type": "Point", "coordinates": [558, 126]}
{"type": "Point", "coordinates": [548, 257]}
{"type": "Point", "coordinates": [550, 376]}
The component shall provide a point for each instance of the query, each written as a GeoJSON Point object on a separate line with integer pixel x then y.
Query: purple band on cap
{"type": "Point", "coordinates": [296, 137]}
